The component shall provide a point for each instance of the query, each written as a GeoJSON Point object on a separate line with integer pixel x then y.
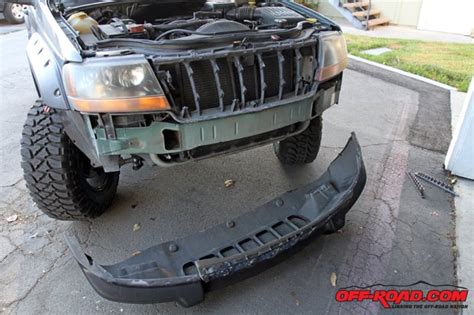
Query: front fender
{"type": "Point", "coordinates": [48, 50]}
{"type": "Point", "coordinates": [46, 72]}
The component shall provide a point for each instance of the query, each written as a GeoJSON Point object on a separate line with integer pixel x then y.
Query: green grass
{"type": "Point", "coordinates": [448, 63]}
{"type": "Point", "coordinates": [312, 4]}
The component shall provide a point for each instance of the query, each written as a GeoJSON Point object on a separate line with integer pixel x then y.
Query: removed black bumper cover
{"type": "Point", "coordinates": [183, 269]}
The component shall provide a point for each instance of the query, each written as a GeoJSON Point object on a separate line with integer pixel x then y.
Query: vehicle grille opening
{"type": "Point", "coordinates": [236, 81]}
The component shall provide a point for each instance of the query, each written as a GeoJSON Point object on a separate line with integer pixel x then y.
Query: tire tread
{"type": "Point", "coordinates": [302, 148]}
{"type": "Point", "coordinates": [50, 166]}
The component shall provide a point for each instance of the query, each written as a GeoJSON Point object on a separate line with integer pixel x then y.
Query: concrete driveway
{"type": "Point", "coordinates": [392, 236]}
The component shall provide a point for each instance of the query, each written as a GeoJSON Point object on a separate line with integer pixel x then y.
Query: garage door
{"type": "Point", "coordinates": [453, 16]}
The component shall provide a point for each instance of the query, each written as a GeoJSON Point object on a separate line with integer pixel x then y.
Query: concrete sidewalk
{"type": "Point", "coordinates": [404, 32]}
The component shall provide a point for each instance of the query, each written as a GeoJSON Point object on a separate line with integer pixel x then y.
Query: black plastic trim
{"type": "Point", "coordinates": [184, 269]}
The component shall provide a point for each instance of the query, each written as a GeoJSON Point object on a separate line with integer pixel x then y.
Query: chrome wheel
{"type": "Point", "coordinates": [18, 11]}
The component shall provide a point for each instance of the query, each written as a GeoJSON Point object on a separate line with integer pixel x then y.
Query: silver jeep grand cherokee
{"type": "Point", "coordinates": [167, 82]}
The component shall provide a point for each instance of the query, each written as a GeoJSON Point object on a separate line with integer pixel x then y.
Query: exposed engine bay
{"type": "Point", "coordinates": [188, 23]}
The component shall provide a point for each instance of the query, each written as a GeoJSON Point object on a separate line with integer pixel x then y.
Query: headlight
{"type": "Point", "coordinates": [332, 56]}
{"type": "Point", "coordinates": [113, 84]}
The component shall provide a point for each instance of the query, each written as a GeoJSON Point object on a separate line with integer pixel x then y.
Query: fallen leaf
{"type": "Point", "coordinates": [136, 227]}
{"type": "Point", "coordinates": [12, 218]}
{"type": "Point", "coordinates": [229, 183]}
{"type": "Point", "coordinates": [333, 279]}
{"type": "Point", "coordinates": [297, 301]}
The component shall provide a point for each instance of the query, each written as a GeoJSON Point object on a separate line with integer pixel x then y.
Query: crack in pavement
{"type": "Point", "coordinates": [389, 142]}
{"type": "Point", "coordinates": [15, 249]}
{"type": "Point", "coordinates": [30, 237]}
{"type": "Point", "coordinates": [12, 185]}
{"type": "Point", "coordinates": [373, 249]}
{"type": "Point", "coordinates": [44, 274]}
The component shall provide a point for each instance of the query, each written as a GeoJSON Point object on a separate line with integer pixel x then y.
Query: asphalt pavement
{"type": "Point", "coordinates": [392, 236]}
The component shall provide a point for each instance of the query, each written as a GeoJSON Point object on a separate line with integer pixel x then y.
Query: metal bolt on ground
{"type": "Point", "coordinates": [435, 182]}
{"type": "Point", "coordinates": [418, 185]}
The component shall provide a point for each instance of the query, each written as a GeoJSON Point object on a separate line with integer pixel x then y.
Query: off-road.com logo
{"type": "Point", "coordinates": [395, 295]}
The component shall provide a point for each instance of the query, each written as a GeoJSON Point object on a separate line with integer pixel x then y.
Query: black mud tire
{"type": "Point", "coordinates": [302, 148]}
{"type": "Point", "coordinates": [10, 15]}
{"type": "Point", "coordinates": [58, 175]}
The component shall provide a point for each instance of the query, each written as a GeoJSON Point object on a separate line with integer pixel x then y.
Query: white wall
{"type": "Point", "coordinates": [453, 16]}
{"type": "Point", "coordinates": [401, 12]}
{"type": "Point", "coordinates": [460, 157]}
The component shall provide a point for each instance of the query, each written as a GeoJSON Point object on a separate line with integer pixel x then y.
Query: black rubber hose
{"type": "Point", "coordinates": [243, 13]}
{"type": "Point", "coordinates": [197, 33]}
{"type": "Point", "coordinates": [208, 15]}
{"type": "Point", "coordinates": [168, 27]}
